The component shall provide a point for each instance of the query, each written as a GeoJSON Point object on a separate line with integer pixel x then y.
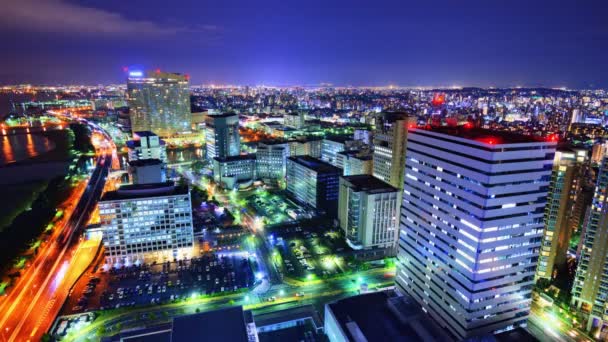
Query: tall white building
{"type": "Point", "coordinates": [368, 211]}
{"type": "Point", "coordinates": [146, 222]}
{"type": "Point", "coordinates": [471, 226]}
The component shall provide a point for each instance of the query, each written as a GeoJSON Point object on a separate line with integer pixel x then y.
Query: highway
{"type": "Point", "coordinates": [30, 308]}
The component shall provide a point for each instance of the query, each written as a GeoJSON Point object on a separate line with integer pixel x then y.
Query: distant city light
{"type": "Point", "coordinates": [136, 74]}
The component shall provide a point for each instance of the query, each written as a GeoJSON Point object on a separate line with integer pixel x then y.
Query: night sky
{"type": "Point", "coordinates": [407, 43]}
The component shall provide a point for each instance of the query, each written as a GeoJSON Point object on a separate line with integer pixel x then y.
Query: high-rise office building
{"type": "Point", "coordinates": [222, 136]}
{"type": "Point", "coordinates": [471, 226]}
{"type": "Point", "coordinates": [561, 218]}
{"type": "Point", "coordinates": [146, 145]}
{"type": "Point", "coordinates": [368, 211]}
{"type": "Point", "coordinates": [590, 290]}
{"type": "Point", "coordinates": [271, 160]}
{"type": "Point", "coordinates": [146, 222]}
{"type": "Point", "coordinates": [313, 182]}
{"type": "Point", "coordinates": [159, 102]}
{"type": "Point", "coordinates": [389, 140]}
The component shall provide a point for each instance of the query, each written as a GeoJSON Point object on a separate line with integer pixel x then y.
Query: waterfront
{"type": "Point", "coordinates": [17, 147]}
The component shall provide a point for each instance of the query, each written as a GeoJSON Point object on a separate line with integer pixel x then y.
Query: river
{"type": "Point", "coordinates": [17, 147]}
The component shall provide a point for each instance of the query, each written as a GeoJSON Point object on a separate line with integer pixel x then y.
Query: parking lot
{"type": "Point", "coordinates": [300, 253]}
{"type": "Point", "coordinates": [275, 208]}
{"type": "Point", "coordinates": [160, 283]}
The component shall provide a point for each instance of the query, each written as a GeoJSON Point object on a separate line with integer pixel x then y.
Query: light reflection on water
{"type": "Point", "coordinates": [18, 147]}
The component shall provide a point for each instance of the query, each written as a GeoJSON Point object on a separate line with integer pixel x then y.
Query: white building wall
{"type": "Point", "coordinates": [471, 225]}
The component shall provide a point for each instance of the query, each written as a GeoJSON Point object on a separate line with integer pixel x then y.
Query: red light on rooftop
{"type": "Point", "coordinates": [187, 76]}
{"type": "Point", "coordinates": [438, 99]}
{"type": "Point", "coordinates": [125, 69]}
{"type": "Point", "coordinates": [158, 71]}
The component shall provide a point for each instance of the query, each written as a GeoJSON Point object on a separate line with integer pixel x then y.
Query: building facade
{"type": "Point", "coordinates": [590, 288]}
{"type": "Point", "coordinates": [222, 136]}
{"type": "Point", "coordinates": [368, 211]}
{"type": "Point", "coordinates": [146, 222]}
{"type": "Point", "coordinates": [294, 120]}
{"type": "Point", "coordinates": [561, 217]}
{"type": "Point", "coordinates": [159, 102]}
{"type": "Point", "coordinates": [389, 141]}
{"type": "Point", "coordinates": [471, 226]}
{"type": "Point", "coordinates": [313, 182]}
{"type": "Point", "coordinates": [271, 160]}
{"type": "Point", "coordinates": [146, 145]}
{"type": "Point", "coordinates": [359, 162]}
{"type": "Point", "coordinates": [234, 172]}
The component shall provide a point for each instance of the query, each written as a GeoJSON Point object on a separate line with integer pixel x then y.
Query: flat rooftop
{"type": "Point", "coordinates": [357, 154]}
{"type": "Point", "coordinates": [482, 135]}
{"type": "Point", "coordinates": [223, 115]}
{"type": "Point", "coordinates": [394, 116]}
{"type": "Point", "coordinates": [217, 325]}
{"type": "Point", "coordinates": [369, 183]}
{"type": "Point", "coordinates": [145, 162]}
{"type": "Point", "coordinates": [145, 134]}
{"type": "Point", "coordinates": [134, 191]}
{"type": "Point", "coordinates": [315, 164]}
{"type": "Point", "coordinates": [236, 158]}
{"type": "Point", "coordinates": [340, 138]}
{"type": "Point", "coordinates": [370, 315]}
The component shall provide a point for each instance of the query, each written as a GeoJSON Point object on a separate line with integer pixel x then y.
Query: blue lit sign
{"type": "Point", "coordinates": [136, 74]}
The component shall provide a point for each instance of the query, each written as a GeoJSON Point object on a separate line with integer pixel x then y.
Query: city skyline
{"type": "Point", "coordinates": [438, 44]}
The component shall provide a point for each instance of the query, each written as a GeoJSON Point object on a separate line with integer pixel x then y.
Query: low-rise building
{"type": "Point", "coordinates": [147, 145]}
{"type": "Point", "coordinates": [234, 171]}
{"type": "Point", "coordinates": [368, 212]}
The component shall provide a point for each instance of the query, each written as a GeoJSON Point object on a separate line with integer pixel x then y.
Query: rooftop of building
{"type": "Point", "coordinates": [134, 191]}
{"type": "Point", "coordinates": [485, 136]}
{"type": "Point", "coordinates": [315, 164]}
{"type": "Point", "coordinates": [222, 115]}
{"type": "Point", "coordinates": [378, 317]}
{"type": "Point", "coordinates": [236, 158]}
{"type": "Point", "coordinates": [218, 325]}
{"type": "Point", "coordinates": [142, 134]}
{"type": "Point", "coordinates": [369, 184]}
{"type": "Point", "coordinates": [228, 324]}
{"type": "Point", "coordinates": [394, 116]}
{"type": "Point", "coordinates": [145, 162]}
{"type": "Point", "coordinates": [340, 138]}
{"type": "Point", "coordinates": [519, 335]}
{"type": "Point", "coordinates": [358, 154]}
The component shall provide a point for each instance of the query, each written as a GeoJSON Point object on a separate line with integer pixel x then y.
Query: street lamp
{"type": "Point", "coordinates": [4, 332]}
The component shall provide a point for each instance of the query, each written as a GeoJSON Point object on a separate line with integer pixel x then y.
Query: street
{"type": "Point", "coordinates": [40, 287]}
